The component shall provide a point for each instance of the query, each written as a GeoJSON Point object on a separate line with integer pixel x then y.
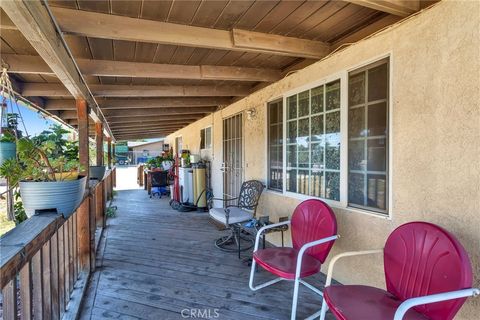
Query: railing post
{"type": "Point", "coordinates": [109, 152]}
{"type": "Point", "coordinates": [83, 147]}
{"type": "Point", "coordinates": [83, 234]}
{"type": "Point", "coordinates": [99, 141]}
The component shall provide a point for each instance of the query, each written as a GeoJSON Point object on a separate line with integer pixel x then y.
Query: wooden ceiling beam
{"type": "Point", "coordinates": [58, 90]}
{"type": "Point", "coordinates": [366, 31]}
{"type": "Point", "coordinates": [157, 112]}
{"type": "Point", "coordinates": [107, 26]}
{"type": "Point", "coordinates": [142, 136]}
{"type": "Point", "coordinates": [34, 22]}
{"type": "Point", "coordinates": [401, 8]}
{"type": "Point", "coordinates": [27, 64]}
{"type": "Point", "coordinates": [158, 131]}
{"type": "Point", "coordinates": [150, 124]}
{"type": "Point", "coordinates": [148, 119]}
{"type": "Point", "coordinates": [125, 130]}
{"type": "Point", "coordinates": [106, 104]}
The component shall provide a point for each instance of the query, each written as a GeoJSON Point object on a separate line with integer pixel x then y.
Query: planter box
{"type": "Point", "coordinates": [64, 196]}
{"type": "Point", "coordinates": [7, 151]}
{"type": "Point", "coordinates": [97, 172]}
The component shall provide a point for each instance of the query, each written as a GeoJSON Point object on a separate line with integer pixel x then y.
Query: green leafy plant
{"type": "Point", "coordinates": [7, 137]}
{"type": "Point", "coordinates": [18, 209]}
{"type": "Point", "coordinates": [158, 161]}
{"type": "Point", "coordinates": [111, 212]}
{"type": "Point", "coordinates": [42, 157]}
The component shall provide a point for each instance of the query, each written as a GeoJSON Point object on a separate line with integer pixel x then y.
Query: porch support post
{"type": "Point", "coordinates": [84, 222]}
{"type": "Point", "coordinates": [109, 149]}
{"type": "Point", "coordinates": [99, 140]}
{"type": "Point", "coordinates": [82, 115]}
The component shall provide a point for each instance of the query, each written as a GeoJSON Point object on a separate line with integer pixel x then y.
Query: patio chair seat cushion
{"type": "Point", "coordinates": [363, 302]}
{"type": "Point", "coordinates": [283, 262]}
{"type": "Point", "coordinates": [236, 215]}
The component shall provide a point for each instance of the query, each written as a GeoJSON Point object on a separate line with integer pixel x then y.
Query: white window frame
{"type": "Point", "coordinates": [211, 137]}
{"type": "Point", "coordinates": [343, 77]}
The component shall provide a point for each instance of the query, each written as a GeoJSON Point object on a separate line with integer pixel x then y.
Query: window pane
{"type": "Point", "coordinates": [291, 156]}
{"type": "Point", "coordinates": [332, 141]}
{"type": "Point", "coordinates": [274, 137]}
{"type": "Point", "coordinates": [317, 128]}
{"type": "Point", "coordinates": [292, 132]}
{"type": "Point", "coordinates": [303, 104]}
{"type": "Point", "coordinates": [292, 180]}
{"type": "Point", "coordinates": [303, 132]}
{"type": "Point", "coordinates": [273, 115]}
{"type": "Point", "coordinates": [208, 138]}
{"type": "Point", "coordinates": [292, 107]}
{"type": "Point", "coordinates": [356, 122]}
{"type": "Point", "coordinates": [356, 89]}
{"type": "Point", "coordinates": [377, 186]}
{"type": "Point", "coordinates": [317, 183]}
{"type": "Point", "coordinates": [332, 185]}
{"type": "Point", "coordinates": [332, 123]}
{"type": "Point", "coordinates": [303, 179]}
{"type": "Point", "coordinates": [275, 142]}
{"type": "Point", "coordinates": [378, 82]}
{"type": "Point", "coordinates": [376, 155]}
{"type": "Point", "coordinates": [356, 155]}
{"type": "Point", "coordinates": [356, 188]}
{"type": "Point", "coordinates": [368, 136]}
{"type": "Point", "coordinates": [317, 156]}
{"type": "Point", "coordinates": [377, 119]}
{"type": "Point", "coordinates": [317, 100]}
{"type": "Point", "coordinates": [303, 158]}
{"type": "Point", "coordinates": [202, 139]}
{"type": "Point", "coordinates": [332, 95]}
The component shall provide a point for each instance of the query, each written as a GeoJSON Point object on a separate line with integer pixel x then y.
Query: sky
{"type": "Point", "coordinates": [34, 122]}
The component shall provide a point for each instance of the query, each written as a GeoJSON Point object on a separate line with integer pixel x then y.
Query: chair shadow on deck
{"type": "Point", "coordinates": [157, 263]}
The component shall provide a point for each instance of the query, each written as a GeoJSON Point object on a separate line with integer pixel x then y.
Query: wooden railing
{"type": "Point", "coordinates": [46, 260]}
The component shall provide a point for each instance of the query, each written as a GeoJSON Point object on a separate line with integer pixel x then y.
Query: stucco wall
{"type": "Point", "coordinates": [435, 140]}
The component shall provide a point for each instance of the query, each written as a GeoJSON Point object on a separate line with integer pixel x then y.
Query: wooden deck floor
{"type": "Point", "coordinates": [155, 262]}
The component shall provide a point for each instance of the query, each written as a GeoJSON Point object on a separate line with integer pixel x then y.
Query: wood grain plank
{"type": "Point", "coordinates": [54, 266]}
{"type": "Point", "coordinates": [61, 270]}
{"type": "Point", "coordinates": [71, 278]}
{"type": "Point", "coordinates": [46, 282]}
{"type": "Point", "coordinates": [26, 291]}
{"type": "Point", "coordinates": [9, 294]}
{"type": "Point", "coordinates": [37, 284]}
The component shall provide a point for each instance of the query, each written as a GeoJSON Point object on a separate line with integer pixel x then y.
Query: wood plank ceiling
{"type": "Point", "coordinates": [149, 84]}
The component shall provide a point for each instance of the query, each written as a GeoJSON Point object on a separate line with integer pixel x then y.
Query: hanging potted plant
{"type": "Point", "coordinates": [47, 179]}
{"type": "Point", "coordinates": [8, 147]}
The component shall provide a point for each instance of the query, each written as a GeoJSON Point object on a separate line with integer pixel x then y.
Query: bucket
{"type": "Point", "coordinates": [8, 150]}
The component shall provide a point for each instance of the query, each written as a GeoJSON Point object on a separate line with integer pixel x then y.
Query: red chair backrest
{"type": "Point", "coordinates": [313, 220]}
{"type": "Point", "coordinates": [421, 258]}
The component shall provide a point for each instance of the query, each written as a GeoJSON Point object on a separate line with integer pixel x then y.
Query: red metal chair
{"type": "Point", "coordinates": [314, 229]}
{"type": "Point", "coordinates": [428, 276]}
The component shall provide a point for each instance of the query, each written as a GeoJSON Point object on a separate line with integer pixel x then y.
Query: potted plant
{"type": "Point", "coordinates": [8, 148]}
{"type": "Point", "coordinates": [47, 178]}
{"type": "Point", "coordinates": [97, 172]}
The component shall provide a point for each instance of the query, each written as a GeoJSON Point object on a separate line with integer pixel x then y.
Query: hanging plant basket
{"type": "Point", "coordinates": [64, 196]}
{"type": "Point", "coordinates": [8, 151]}
{"type": "Point", "coordinates": [97, 172]}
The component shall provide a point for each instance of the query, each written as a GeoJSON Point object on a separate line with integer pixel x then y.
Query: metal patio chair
{"type": "Point", "coordinates": [428, 276]}
{"type": "Point", "coordinates": [313, 229]}
{"type": "Point", "coordinates": [233, 215]}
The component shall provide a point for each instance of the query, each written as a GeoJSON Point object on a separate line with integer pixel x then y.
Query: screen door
{"type": "Point", "coordinates": [232, 166]}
